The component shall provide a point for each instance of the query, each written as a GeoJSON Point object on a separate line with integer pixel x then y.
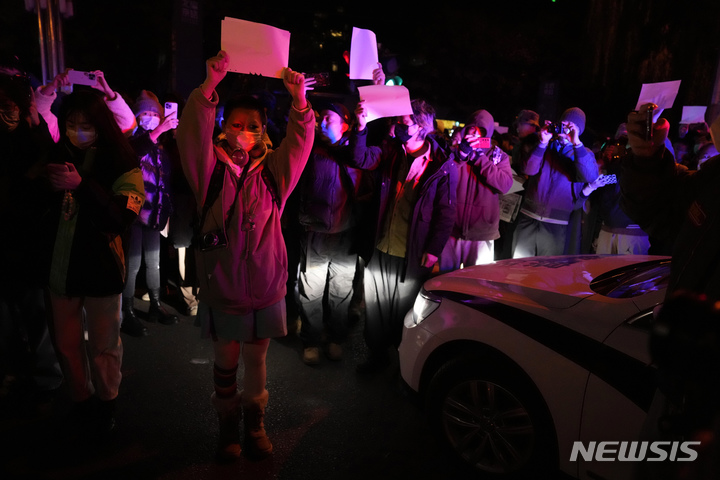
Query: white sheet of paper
{"type": "Point", "coordinates": [518, 184]}
{"type": "Point", "coordinates": [693, 114]}
{"type": "Point", "coordinates": [255, 48]}
{"type": "Point", "coordinates": [363, 54]}
{"type": "Point", "coordinates": [385, 101]}
{"type": "Point", "coordinates": [661, 94]}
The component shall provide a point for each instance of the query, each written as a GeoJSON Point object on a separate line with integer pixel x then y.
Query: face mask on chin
{"type": "Point", "coordinates": [81, 138]}
{"type": "Point", "coordinates": [148, 122]}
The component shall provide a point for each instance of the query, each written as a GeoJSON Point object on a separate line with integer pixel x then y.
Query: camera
{"type": "Point", "coordinates": [554, 128]}
{"type": "Point", "coordinates": [213, 240]}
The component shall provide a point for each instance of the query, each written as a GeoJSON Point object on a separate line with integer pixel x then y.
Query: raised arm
{"type": "Point", "coordinates": [195, 130]}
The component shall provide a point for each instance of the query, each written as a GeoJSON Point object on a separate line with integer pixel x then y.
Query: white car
{"type": "Point", "coordinates": [519, 360]}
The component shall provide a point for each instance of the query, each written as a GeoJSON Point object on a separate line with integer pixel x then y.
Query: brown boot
{"type": "Point", "coordinates": [229, 415]}
{"type": "Point", "coordinates": [257, 444]}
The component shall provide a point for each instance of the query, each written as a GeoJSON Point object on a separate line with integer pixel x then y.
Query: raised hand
{"type": "Point", "coordinates": [215, 70]}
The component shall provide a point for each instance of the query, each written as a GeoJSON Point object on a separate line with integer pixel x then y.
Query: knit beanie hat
{"type": "Point", "coordinates": [576, 116]}
{"type": "Point", "coordinates": [147, 102]}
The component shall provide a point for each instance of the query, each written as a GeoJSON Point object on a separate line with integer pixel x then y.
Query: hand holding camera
{"type": "Point", "coordinates": [549, 131]}
{"type": "Point", "coordinates": [570, 133]}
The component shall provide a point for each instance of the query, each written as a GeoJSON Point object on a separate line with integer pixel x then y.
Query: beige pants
{"type": "Point", "coordinates": [92, 365]}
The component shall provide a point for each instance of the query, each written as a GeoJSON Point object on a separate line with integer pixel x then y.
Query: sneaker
{"type": "Point", "coordinates": [311, 356]}
{"type": "Point", "coordinates": [334, 351]}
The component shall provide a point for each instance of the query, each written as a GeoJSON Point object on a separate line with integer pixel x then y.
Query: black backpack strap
{"type": "Point", "coordinates": [214, 188]}
{"type": "Point", "coordinates": [269, 180]}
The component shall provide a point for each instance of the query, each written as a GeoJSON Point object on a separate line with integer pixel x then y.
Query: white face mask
{"type": "Point", "coordinates": [244, 140]}
{"type": "Point", "coordinates": [148, 122]}
{"type": "Point", "coordinates": [81, 138]}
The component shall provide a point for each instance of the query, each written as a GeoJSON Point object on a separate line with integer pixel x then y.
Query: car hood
{"type": "Point", "coordinates": [552, 282]}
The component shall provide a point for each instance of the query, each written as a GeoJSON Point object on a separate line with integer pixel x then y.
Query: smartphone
{"type": "Point", "coordinates": [321, 79]}
{"type": "Point", "coordinates": [484, 142]}
{"type": "Point", "coordinates": [610, 178]}
{"type": "Point", "coordinates": [77, 77]}
{"type": "Point", "coordinates": [171, 109]}
{"type": "Point", "coordinates": [649, 122]}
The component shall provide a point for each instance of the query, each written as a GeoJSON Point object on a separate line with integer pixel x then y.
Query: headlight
{"type": "Point", "coordinates": [425, 303]}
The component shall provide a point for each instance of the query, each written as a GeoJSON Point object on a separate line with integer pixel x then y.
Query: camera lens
{"type": "Point", "coordinates": [210, 239]}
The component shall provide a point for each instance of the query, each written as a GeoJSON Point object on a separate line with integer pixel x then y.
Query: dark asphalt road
{"type": "Point", "coordinates": [325, 422]}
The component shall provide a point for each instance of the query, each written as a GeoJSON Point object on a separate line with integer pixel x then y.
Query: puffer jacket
{"type": "Point", "coordinates": [155, 166]}
{"type": "Point", "coordinates": [251, 272]}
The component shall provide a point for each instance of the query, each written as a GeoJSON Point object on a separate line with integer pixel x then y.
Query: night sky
{"type": "Point", "coordinates": [493, 55]}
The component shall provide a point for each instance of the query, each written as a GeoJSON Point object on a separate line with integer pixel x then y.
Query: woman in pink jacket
{"type": "Point", "coordinates": [241, 186]}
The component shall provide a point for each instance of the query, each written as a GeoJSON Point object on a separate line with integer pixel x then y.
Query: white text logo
{"type": "Point", "coordinates": [658, 451]}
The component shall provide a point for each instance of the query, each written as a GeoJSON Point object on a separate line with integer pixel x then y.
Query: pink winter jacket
{"type": "Point", "coordinates": [251, 272]}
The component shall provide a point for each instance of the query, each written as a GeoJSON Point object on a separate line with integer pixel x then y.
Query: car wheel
{"type": "Point", "coordinates": [492, 418]}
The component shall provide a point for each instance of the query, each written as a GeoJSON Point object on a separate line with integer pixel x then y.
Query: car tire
{"type": "Point", "coordinates": [492, 418]}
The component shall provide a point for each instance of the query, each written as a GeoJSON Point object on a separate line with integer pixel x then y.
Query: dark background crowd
{"type": "Point", "coordinates": [541, 55]}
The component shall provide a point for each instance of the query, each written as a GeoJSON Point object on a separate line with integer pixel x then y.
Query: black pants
{"type": "Point", "coordinates": [387, 300]}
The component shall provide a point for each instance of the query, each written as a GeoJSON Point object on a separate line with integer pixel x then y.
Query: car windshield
{"type": "Point", "coordinates": [633, 280]}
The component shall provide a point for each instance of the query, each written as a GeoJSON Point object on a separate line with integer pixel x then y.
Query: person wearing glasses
{"type": "Point", "coordinates": [414, 207]}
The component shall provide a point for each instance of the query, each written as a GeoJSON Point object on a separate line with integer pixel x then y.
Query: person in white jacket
{"type": "Point", "coordinates": [46, 95]}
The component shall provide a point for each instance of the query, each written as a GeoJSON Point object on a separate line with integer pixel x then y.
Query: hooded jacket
{"type": "Point", "coordinates": [483, 176]}
{"type": "Point", "coordinates": [251, 272]}
{"type": "Point", "coordinates": [434, 211]}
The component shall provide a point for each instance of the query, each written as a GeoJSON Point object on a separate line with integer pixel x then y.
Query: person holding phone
{"type": "Point", "coordinates": [97, 194]}
{"type": "Point", "coordinates": [241, 186]}
{"type": "Point", "coordinates": [484, 174]}
{"type": "Point", "coordinates": [144, 241]}
{"type": "Point", "coordinates": [47, 95]}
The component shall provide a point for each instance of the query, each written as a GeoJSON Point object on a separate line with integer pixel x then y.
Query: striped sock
{"type": "Point", "coordinates": [225, 381]}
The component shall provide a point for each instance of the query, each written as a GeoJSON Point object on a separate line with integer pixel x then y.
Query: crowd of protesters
{"type": "Point", "coordinates": [96, 185]}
